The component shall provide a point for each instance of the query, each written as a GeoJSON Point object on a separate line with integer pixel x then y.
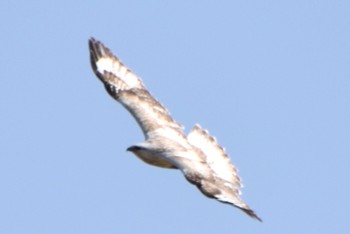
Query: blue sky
{"type": "Point", "coordinates": [270, 79]}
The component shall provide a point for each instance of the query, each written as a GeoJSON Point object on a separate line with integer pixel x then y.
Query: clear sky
{"type": "Point", "coordinates": [270, 79]}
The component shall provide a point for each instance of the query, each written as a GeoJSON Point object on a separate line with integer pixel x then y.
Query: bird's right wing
{"type": "Point", "coordinates": [128, 89]}
{"type": "Point", "coordinates": [225, 177]}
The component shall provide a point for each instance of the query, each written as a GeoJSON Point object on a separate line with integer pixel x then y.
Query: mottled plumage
{"type": "Point", "coordinates": [201, 159]}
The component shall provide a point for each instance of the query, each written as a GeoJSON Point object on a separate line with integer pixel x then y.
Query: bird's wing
{"type": "Point", "coordinates": [128, 89]}
{"type": "Point", "coordinates": [225, 178]}
{"type": "Point", "coordinates": [216, 157]}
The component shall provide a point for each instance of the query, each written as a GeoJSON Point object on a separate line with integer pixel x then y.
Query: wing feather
{"type": "Point", "coordinates": [216, 157]}
{"type": "Point", "coordinates": [124, 86]}
{"type": "Point", "coordinates": [226, 180]}
{"type": "Point", "coordinates": [102, 60]}
{"type": "Point", "coordinates": [202, 160]}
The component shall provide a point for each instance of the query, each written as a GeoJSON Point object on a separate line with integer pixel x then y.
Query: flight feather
{"type": "Point", "coordinates": [200, 158]}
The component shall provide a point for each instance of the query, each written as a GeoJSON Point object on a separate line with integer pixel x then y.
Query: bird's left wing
{"type": "Point", "coordinates": [128, 89]}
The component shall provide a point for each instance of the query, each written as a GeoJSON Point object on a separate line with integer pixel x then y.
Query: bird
{"type": "Point", "coordinates": [203, 162]}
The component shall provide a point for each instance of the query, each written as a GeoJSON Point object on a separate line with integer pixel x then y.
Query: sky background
{"type": "Point", "coordinates": [270, 79]}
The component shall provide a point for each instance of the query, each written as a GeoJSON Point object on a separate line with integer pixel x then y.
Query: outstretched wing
{"type": "Point", "coordinates": [128, 89]}
{"type": "Point", "coordinates": [226, 180]}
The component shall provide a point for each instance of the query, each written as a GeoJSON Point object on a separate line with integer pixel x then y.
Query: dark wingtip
{"type": "Point", "coordinates": [97, 51]}
{"type": "Point", "coordinates": [93, 53]}
{"type": "Point", "coordinates": [252, 214]}
{"type": "Point", "coordinates": [93, 44]}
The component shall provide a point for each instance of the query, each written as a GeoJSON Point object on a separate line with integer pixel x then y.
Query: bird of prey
{"type": "Point", "coordinates": [198, 156]}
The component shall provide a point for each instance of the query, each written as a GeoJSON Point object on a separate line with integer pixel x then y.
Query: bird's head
{"type": "Point", "coordinates": [140, 149]}
{"type": "Point", "coordinates": [135, 148]}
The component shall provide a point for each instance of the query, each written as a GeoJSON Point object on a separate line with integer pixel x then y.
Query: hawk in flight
{"type": "Point", "coordinates": [198, 156]}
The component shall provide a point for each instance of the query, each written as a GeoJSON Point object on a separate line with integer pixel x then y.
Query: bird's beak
{"type": "Point", "coordinates": [133, 148]}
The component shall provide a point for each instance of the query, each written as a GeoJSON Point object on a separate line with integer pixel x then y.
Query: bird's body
{"type": "Point", "coordinates": [200, 158]}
